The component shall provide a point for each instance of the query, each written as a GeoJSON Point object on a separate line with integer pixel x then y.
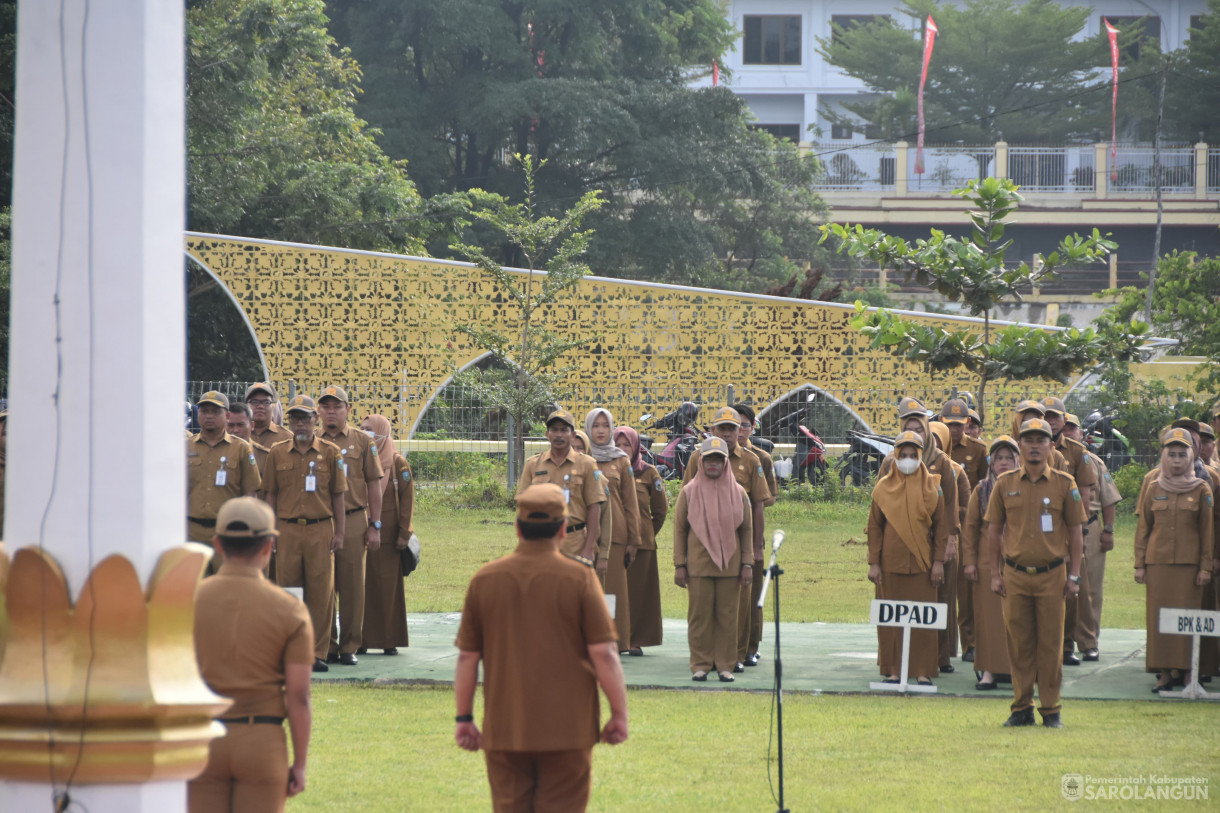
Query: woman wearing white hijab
{"type": "Point", "coordinates": [615, 466]}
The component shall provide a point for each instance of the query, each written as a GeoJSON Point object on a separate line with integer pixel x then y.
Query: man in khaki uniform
{"type": "Point", "coordinates": [971, 454]}
{"type": "Point", "coordinates": [304, 486]}
{"type": "Point", "coordinates": [219, 467]}
{"type": "Point", "coordinates": [263, 430]}
{"type": "Point", "coordinates": [1098, 541]}
{"type": "Point", "coordinates": [254, 643]}
{"type": "Point", "coordinates": [584, 492]}
{"type": "Point", "coordinates": [362, 466]}
{"type": "Point", "coordinates": [713, 558]}
{"type": "Point", "coordinates": [753, 635]}
{"type": "Point", "coordinates": [1033, 530]}
{"type": "Point", "coordinates": [238, 422]}
{"type": "Point", "coordinates": [749, 474]}
{"type": "Point", "coordinates": [538, 622]}
{"type": "Point", "coordinates": [974, 425]}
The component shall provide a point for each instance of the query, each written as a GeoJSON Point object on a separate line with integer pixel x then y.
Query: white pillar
{"type": "Point", "coordinates": [98, 215]}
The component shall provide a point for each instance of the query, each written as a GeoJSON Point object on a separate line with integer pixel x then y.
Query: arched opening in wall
{"type": "Point", "coordinates": [220, 342]}
{"type": "Point", "coordinates": [820, 412]}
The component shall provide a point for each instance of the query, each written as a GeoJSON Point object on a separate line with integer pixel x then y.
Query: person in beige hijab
{"type": "Point", "coordinates": [615, 468]}
{"type": "Point", "coordinates": [908, 529]}
{"type": "Point", "coordinates": [713, 560]}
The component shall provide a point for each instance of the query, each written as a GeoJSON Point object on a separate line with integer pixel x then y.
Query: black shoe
{"type": "Point", "coordinates": [1020, 718]}
{"type": "Point", "coordinates": [986, 686]}
{"type": "Point", "coordinates": [699, 677]}
{"type": "Point", "coordinates": [362, 650]}
{"type": "Point", "coordinates": [727, 677]}
{"type": "Point", "coordinates": [1092, 655]}
{"type": "Point", "coordinates": [348, 659]}
{"type": "Point", "coordinates": [1070, 659]}
{"type": "Point", "coordinates": [752, 660]}
{"type": "Point", "coordinates": [390, 650]}
{"type": "Point", "coordinates": [333, 657]}
{"type": "Point", "coordinates": [319, 665]}
{"type": "Point", "coordinates": [968, 655]}
{"type": "Point", "coordinates": [739, 667]}
{"type": "Point", "coordinates": [1052, 721]}
{"type": "Point", "coordinates": [947, 669]}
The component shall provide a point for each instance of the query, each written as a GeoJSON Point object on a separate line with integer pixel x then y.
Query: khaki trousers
{"type": "Point", "coordinates": [303, 559]}
{"type": "Point", "coordinates": [348, 636]}
{"type": "Point", "coordinates": [711, 622]}
{"type": "Point", "coordinates": [749, 617]}
{"type": "Point", "coordinates": [540, 781]}
{"type": "Point", "coordinates": [947, 594]}
{"type": "Point", "coordinates": [247, 772]}
{"type": "Point", "coordinates": [1088, 601]}
{"type": "Point", "coordinates": [616, 585]}
{"type": "Point", "coordinates": [1033, 615]}
{"type": "Point", "coordinates": [965, 607]}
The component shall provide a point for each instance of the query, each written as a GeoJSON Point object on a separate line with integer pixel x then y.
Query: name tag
{"type": "Point", "coordinates": [1013, 494]}
{"type": "Point", "coordinates": [311, 483]}
{"type": "Point", "coordinates": [222, 477]}
{"type": "Point", "coordinates": [1048, 524]}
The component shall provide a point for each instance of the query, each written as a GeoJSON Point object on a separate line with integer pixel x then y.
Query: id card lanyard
{"type": "Point", "coordinates": [311, 480]}
{"type": "Point", "coordinates": [567, 492]}
{"type": "Point", "coordinates": [1048, 525]}
{"type": "Point", "coordinates": [222, 476]}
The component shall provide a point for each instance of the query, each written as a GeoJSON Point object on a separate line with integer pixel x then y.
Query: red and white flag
{"type": "Point", "coordinates": [1112, 32]}
{"type": "Point", "coordinates": [929, 40]}
{"type": "Point", "coordinates": [715, 74]}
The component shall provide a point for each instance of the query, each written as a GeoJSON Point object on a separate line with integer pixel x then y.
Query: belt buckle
{"type": "Point", "coordinates": [1030, 570]}
{"type": "Point", "coordinates": [301, 521]}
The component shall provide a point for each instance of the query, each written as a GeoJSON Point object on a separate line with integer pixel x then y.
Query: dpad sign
{"type": "Point", "coordinates": [917, 614]}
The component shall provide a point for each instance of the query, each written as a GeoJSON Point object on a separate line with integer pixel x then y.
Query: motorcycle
{"type": "Point", "coordinates": [865, 451]}
{"type": "Point", "coordinates": [684, 438]}
{"type": "Point", "coordinates": [810, 458]}
{"type": "Point", "coordinates": [1103, 440]}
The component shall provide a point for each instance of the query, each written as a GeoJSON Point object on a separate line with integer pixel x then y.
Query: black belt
{"type": "Point", "coordinates": [207, 523]}
{"type": "Point", "coordinates": [1092, 518]}
{"type": "Point", "coordinates": [251, 719]}
{"type": "Point", "coordinates": [580, 526]}
{"type": "Point", "coordinates": [1033, 570]}
{"type": "Point", "coordinates": [304, 521]}
{"type": "Point", "coordinates": [351, 511]}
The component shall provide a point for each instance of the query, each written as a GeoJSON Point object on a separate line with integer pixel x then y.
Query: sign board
{"type": "Point", "coordinates": [1197, 624]}
{"type": "Point", "coordinates": [917, 614]}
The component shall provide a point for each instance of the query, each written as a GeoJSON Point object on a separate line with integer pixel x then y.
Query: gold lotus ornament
{"type": "Point", "coordinates": [108, 691]}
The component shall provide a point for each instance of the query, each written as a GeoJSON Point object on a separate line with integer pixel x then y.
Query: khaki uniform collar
{"type": "Point", "coordinates": [537, 547]}
{"type": "Point", "coordinates": [342, 433]}
{"type": "Point", "coordinates": [232, 568]}
{"type": "Point", "coordinates": [315, 444]}
{"type": "Point", "coordinates": [571, 456]}
{"type": "Point", "coordinates": [1046, 467]}
{"type": "Point", "coordinates": [225, 437]}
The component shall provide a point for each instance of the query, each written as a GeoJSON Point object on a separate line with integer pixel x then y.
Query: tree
{"type": "Point", "coordinates": [996, 65]}
{"type": "Point", "coordinates": [552, 244]}
{"type": "Point", "coordinates": [1193, 104]}
{"type": "Point", "coordinates": [601, 89]}
{"type": "Point", "coordinates": [975, 273]}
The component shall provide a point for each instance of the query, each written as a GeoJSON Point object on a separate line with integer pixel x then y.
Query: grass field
{"type": "Point", "coordinates": [391, 749]}
{"type": "Point", "coordinates": [824, 558]}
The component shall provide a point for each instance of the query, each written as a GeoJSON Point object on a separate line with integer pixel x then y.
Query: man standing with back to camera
{"type": "Point", "coordinates": [539, 623]}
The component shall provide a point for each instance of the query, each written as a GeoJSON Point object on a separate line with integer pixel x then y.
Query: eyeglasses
{"type": "Point", "coordinates": [259, 402]}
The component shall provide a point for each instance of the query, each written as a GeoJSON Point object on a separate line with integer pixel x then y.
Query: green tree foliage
{"type": "Point", "coordinates": [527, 379]}
{"type": "Point", "coordinates": [599, 89]}
{"type": "Point", "coordinates": [975, 272]}
{"type": "Point", "coordinates": [1193, 95]}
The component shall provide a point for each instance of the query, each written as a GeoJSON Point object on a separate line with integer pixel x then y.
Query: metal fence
{"type": "Point", "coordinates": [1132, 170]}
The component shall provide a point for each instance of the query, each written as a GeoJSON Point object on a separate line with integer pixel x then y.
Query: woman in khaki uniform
{"type": "Point", "coordinates": [947, 638]}
{"type": "Point", "coordinates": [1173, 551]}
{"type": "Point", "coordinates": [581, 444]}
{"type": "Point", "coordinates": [643, 580]}
{"type": "Point", "coordinates": [990, 636]}
{"type": "Point", "coordinates": [625, 539]}
{"type": "Point", "coordinates": [907, 533]}
{"type": "Point", "coordinates": [385, 603]}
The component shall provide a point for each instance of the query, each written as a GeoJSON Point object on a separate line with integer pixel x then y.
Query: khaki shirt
{"type": "Point", "coordinates": [1076, 456]}
{"type": "Point", "coordinates": [1017, 506]}
{"type": "Point", "coordinates": [261, 453]}
{"type": "Point", "coordinates": [625, 529]}
{"type": "Point", "coordinates": [360, 464]}
{"type": "Point", "coordinates": [974, 551]}
{"type": "Point", "coordinates": [886, 548]}
{"type": "Point", "coordinates": [204, 462]}
{"type": "Point", "coordinates": [247, 631]}
{"type": "Point", "coordinates": [747, 471]}
{"type": "Point", "coordinates": [287, 469]}
{"type": "Point", "coordinates": [404, 485]}
{"type": "Point", "coordinates": [577, 474]}
{"type": "Point", "coordinates": [1106, 493]}
{"type": "Point", "coordinates": [768, 467]}
{"type": "Point", "coordinates": [689, 551]}
{"type": "Point", "coordinates": [971, 455]}
{"type": "Point", "coordinates": [532, 616]}
{"type": "Point", "coordinates": [1175, 529]}
{"type": "Point", "coordinates": [654, 505]}
{"type": "Point", "coordinates": [274, 434]}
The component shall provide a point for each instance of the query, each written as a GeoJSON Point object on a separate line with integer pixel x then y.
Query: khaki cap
{"type": "Point", "coordinates": [1053, 404]}
{"type": "Point", "coordinates": [302, 403]}
{"type": "Point", "coordinates": [1003, 440]}
{"type": "Point", "coordinates": [561, 415]}
{"type": "Point", "coordinates": [542, 503]}
{"type": "Point", "coordinates": [1176, 434]}
{"type": "Point", "coordinates": [974, 416]}
{"type": "Point", "coordinates": [726, 415]}
{"type": "Point", "coordinates": [955, 411]}
{"type": "Point", "coordinates": [1030, 406]}
{"type": "Point", "coordinates": [714, 446]}
{"type": "Point", "coordinates": [213, 397]}
{"type": "Point", "coordinates": [262, 386]}
{"type": "Point", "coordinates": [1205, 429]}
{"type": "Point", "coordinates": [338, 393]}
{"type": "Point", "coordinates": [1036, 426]}
{"type": "Point", "coordinates": [1186, 423]}
{"type": "Point", "coordinates": [246, 518]}
{"type": "Point", "coordinates": [1070, 418]}
{"type": "Point", "coordinates": [910, 406]}
{"type": "Point", "coordinates": [908, 439]}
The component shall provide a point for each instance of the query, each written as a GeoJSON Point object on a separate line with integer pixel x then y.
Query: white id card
{"type": "Point", "coordinates": [311, 483]}
{"type": "Point", "coordinates": [1048, 526]}
{"type": "Point", "coordinates": [222, 477]}
{"type": "Point", "coordinates": [567, 495]}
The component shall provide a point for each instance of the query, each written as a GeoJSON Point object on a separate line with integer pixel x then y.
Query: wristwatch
{"type": "Point", "coordinates": [1109, 530]}
{"type": "Point", "coordinates": [1074, 579]}
{"type": "Point", "coordinates": [376, 524]}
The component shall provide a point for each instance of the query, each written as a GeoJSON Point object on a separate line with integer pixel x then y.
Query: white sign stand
{"type": "Point", "coordinates": [1196, 624]}
{"type": "Point", "coordinates": [908, 615]}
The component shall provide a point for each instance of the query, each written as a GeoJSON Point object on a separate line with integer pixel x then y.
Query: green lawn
{"type": "Point", "coordinates": [391, 749]}
{"type": "Point", "coordinates": [824, 558]}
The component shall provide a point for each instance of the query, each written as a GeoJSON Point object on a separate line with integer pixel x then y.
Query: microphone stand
{"type": "Point", "coordinates": [773, 573]}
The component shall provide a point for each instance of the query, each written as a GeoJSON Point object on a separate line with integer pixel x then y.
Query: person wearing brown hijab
{"type": "Point", "coordinates": [643, 579]}
{"type": "Point", "coordinates": [1173, 551]}
{"type": "Point", "coordinates": [385, 604]}
{"type": "Point", "coordinates": [907, 538]}
{"type": "Point", "coordinates": [615, 469]}
{"type": "Point", "coordinates": [713, 547]}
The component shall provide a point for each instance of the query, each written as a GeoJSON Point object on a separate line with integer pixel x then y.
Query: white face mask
{"type": "Point", "coordinates": [908, 465]}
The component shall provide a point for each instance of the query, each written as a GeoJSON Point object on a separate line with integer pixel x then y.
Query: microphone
{"type": "Point", "coordinates": [777, 540]}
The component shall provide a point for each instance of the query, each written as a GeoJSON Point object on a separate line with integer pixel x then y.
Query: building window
{"type": "Point", "coordinates": [842, 23]}
{"type": "Point", "coordinates": [1197, 22]}
{"type": "Point", "coordinates": [792, 132]}
{"type": "Point", "coordinates": [1134, 32]}
{"type": "Point", "coordinates": [838, 132]}
{"type": "Point", "coordinates": [772, 40]}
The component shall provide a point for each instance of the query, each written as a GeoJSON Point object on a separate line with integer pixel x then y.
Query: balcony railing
{"type": "Point", "coordinates": [1186, 172]}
